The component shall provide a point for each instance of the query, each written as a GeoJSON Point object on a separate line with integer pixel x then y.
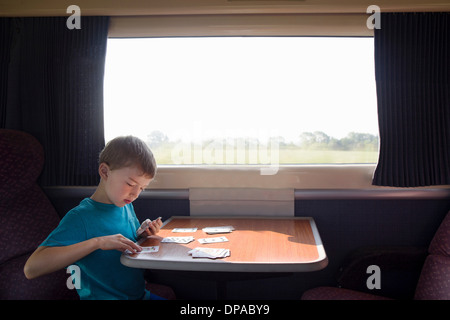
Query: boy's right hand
{"type": "Point", "coordinates": [118, 242]}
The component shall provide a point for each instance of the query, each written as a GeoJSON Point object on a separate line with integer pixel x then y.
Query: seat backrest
{"type": "Point", "coordinates": [434, 281]}
{"type": "Point", "coordinates": [26, 219]}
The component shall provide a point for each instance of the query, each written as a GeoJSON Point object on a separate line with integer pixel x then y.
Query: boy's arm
{"type": "Point", "coordinates": [49, 259]}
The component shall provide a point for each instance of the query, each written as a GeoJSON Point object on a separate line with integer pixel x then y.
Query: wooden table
{"type": "Point", "coordinates": [263, 244]}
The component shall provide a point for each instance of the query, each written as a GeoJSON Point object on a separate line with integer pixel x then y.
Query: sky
{"type": "Point", "coordinates": [205, 88]}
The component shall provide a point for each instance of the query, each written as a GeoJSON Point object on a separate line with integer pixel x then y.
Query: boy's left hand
{"type": "Point", "coordinates": [152, 228]}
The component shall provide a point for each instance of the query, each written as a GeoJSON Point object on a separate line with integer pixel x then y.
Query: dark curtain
{"type": "Point", "coordinates": [6, 34]}
{"type": "Point", "coordinates": [412, 53]}
{"type": "Point", "coordinates": [52, 87]}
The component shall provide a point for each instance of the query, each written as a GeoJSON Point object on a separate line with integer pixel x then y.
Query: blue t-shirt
{"type": "Point", "coordinates": [101, 273]}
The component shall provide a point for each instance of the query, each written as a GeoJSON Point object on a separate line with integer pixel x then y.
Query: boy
{"type": "Point", "coordinates": [95, 233]}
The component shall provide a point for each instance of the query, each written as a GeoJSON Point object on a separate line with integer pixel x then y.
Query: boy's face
{"type": "Point", "coordinates": [124, 185]}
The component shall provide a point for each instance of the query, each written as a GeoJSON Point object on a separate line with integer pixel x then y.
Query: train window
{"type": "Point", "coordinates": [245, 100]}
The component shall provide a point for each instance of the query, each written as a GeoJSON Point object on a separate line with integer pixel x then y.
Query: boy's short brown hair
{"type": "Point", "coordinates": [128, 151]}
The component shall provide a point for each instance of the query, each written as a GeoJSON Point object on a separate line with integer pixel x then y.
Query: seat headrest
{"type": "Point", "coordinates": [21, 160]}
{"type": "Point", "coordinates": [441, 240]}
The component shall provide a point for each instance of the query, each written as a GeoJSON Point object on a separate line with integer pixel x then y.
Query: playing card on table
{"type": "Point", "coordinates": [212, 240]}
{"type": "Point", "coordinates": [221, 229]}
{"type": "Point", "coordinates": [150, 249]}
{"type": "Point", "coordinates": [178, 239]}
{"type": "Point", "coordinates": [184, 230]}
{"type": "Point", "coordinates": [210, 253]}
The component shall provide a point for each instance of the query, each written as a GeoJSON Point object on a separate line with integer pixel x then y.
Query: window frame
{"type": "Point", "coordinates": [297, 177]}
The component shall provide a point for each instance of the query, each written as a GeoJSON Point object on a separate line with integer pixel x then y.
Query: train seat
{"type": "Point", "coordinates": [26, 219]}
{"type": "Point", "coordinates": [433, 282]}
